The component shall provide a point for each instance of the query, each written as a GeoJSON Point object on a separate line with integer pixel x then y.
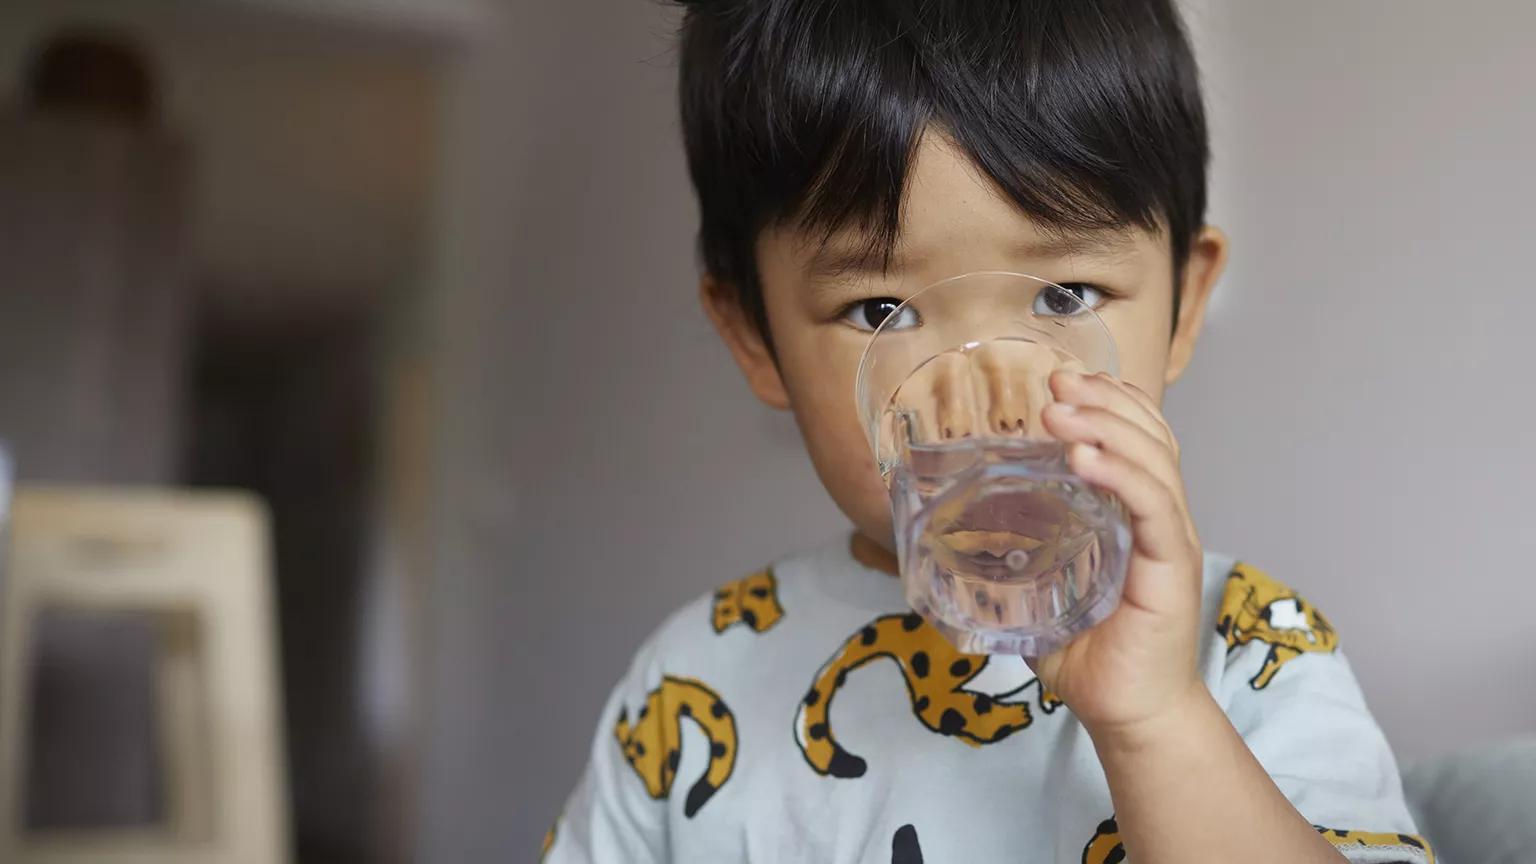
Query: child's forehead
{"type": "Point", "coordinates": [950, 208]}
{"type": "Point", "coordinates": [853, 252]}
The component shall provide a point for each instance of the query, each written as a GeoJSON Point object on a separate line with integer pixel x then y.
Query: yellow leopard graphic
{"type": "Point", "coordinates": [937, 676]}
{"type": "Point", "coordinates": [1341, 839]}
{"type": "Point", "coordinates": [652, 745]}
{"type": "Point", "coordinates": [1258, 608]}
{"type": "Point", "coordinates": [1105, 846]}
{"type": "Point", "coordinates": [753, 601]}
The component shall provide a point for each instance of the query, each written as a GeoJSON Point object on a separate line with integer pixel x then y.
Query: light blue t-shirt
{"type": "Point", "coordinates": [805, 714]}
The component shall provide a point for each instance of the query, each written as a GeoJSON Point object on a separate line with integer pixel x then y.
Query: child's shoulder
{"type": "Point", "coordinates": [1258, 623]}
{"type": "Point", "coordinates": [810, 602]}
{"type": "Point", "coordinates": [1238, 596]}
{"type": "Point", "coordinates": [769, 613]}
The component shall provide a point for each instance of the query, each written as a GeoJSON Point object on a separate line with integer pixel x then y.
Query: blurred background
{"type": "Point", "coordinates": [419, 275]}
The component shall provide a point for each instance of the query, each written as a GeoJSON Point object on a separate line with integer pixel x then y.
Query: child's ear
{"type": "Point", "coordinates": [747, 345]}
{"type": "Point", "coordinates": [1207, 258]}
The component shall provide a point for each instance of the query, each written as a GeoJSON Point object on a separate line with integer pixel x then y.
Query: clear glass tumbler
{"type": "Point", "coordinates": [1001, 546]}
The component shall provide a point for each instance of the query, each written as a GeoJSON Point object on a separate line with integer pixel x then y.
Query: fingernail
{"type": "Point", "coordinates": [1064, 407]}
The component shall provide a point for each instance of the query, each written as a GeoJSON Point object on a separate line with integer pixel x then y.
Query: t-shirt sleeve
{"type": "Point", "coordinates": [612, 815]}
{"type": "Point", "coordinates": [1292, 696]}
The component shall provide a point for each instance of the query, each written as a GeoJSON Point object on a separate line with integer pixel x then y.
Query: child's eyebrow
{"type": "Point", "coordinates": [831, 261]}
{"type": "Point", "coordinates": [1110, 244]}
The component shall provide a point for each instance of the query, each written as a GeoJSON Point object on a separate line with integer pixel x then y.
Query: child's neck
{"type": "Point", "coordinates": [872, 554]}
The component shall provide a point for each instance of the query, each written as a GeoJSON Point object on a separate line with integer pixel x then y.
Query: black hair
{"type": "Point", "coordinates": [1086, 114]}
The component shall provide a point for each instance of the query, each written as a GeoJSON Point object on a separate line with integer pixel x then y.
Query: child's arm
{"type": "Point", "coordinates": [1186, 786]}
{"type": "Point", "coordinates": [1184, 783]}
{"type": "Point", "coordinates": [617, 811]}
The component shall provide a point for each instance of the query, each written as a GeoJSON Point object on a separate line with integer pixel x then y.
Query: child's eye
{"type": "Point", "coordinates": [1063, 300]}
{"type": "Point", "coordinates": [870, 314]}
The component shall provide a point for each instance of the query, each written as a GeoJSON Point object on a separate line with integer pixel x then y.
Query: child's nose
{"type": "Point", "coordinates": [952, 402]}
{"type": "Point", "coordinates": [995, 389]}
{"type": "Point", "coordinates": [1013, 383]}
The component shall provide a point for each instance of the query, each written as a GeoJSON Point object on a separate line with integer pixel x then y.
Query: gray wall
{"type": "Point", "coordinates": [580, 389]}
{"type": "Point", "coordinates": [1351, 423]}
{"type": "Point", "coordinates": [314, 142]}
{"type": "Point", "coordinates": [1359, 417]}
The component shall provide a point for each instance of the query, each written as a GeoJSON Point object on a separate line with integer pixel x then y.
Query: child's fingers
{"type": "Point", "coordinates": [1160, 528]}
{"type": "Point", "coordinates": [1102, 391]}
{"type": "Point", "coordinates": [1113, 432]}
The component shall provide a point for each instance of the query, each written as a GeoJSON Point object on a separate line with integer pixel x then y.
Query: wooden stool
{"type": "Point", "coordinates": [193, 569]}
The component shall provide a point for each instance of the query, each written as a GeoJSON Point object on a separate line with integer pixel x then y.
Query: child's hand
{"type": "Point", "coordinates": [1138, 665]}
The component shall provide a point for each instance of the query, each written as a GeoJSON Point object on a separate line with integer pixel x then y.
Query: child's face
{"type": "Point", "coordinates": [954, 222]}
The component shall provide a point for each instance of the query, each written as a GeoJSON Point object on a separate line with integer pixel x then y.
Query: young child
{"type": "Point", "coordinates": [845, 154]}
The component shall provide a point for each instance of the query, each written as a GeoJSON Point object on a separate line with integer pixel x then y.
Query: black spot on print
{"type": "Point", "coordinates": [639, 749]}
{"type": "Point", "coordinates": [750, 617]}
{"type": "Point", "coordinates": [842, 678]}
{"type": "Point", "coordinates": [685, 710]}
{"type": "Point", "coordinates": [760, 592]}
{"type": "Point", "coordinates": [920, 705]}
{"type": "Point", "coordinates": [920, 664]}
{"type": "Point", "coordinates": [717, 749]}
{"type": "Point", "coordinates": [911, 621]}
{"type": "Point", "coordinates": [960, 668]}
{"type": "Point", "coordinates": [904, 846]}
{"type": "Point", "coordinates": [644, 710]}
{"type": "Point", "coordinates": [817, 731]}
{"type": "Point", "coordinates": [718, 709]}
{"type": "Point", "coordinates": [952, 722]}
{"type": "Point", "coordinates": [697, 796]}
{"type": "Point", "coordinates": [722, 593]}
{"type": "Point", "coordinates": [868, 635]}
{"type": "Point", "coordinates": [812, 697]}
{"type": "Point", "coordinates": [982, 703]}
{"type": "Point", "coordinates": [1410, 840]}
{"type": "Point", "coordinates": [673, 758]}
{"type": "Point", "coordinates": [845, 765]}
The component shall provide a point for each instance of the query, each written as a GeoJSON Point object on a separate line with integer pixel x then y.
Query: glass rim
{"type": "Point", "coordinates": [860, 380]}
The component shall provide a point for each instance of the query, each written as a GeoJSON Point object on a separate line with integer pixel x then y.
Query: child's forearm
{"type": "Point", "coordinates": [1186, 788]}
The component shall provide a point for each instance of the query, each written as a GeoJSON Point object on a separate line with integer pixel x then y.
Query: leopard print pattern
{"type": "Point", "coordinates": [1344, 839]}
{"type": "Point", "coordinates": [652, 745]}
{"type": "Point", "coordinates": [1104, 847]}
{"type": "Point", "coordinates": [753, 601]}
{"type": "Point", "coordinates": [936, 675]}
{"type": "Point", "coordinates": [1257, 608]}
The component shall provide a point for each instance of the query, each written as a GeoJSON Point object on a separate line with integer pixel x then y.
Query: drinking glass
{"type": "Point", "coordinates": [1001, 546]}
